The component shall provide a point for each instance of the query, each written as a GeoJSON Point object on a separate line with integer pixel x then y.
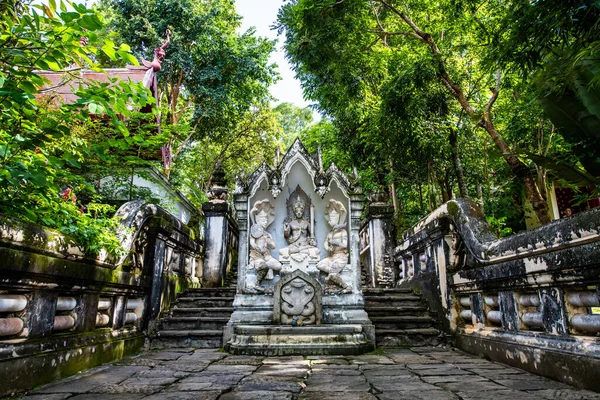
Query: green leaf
{"type": "Point", "coordinates": [74, 162]}
{"type": "Point", "coordinates": [90, 22]}
{"type": "Point", "coordinates": [109, 49]}
{"type": "Point", "coordinates": [28, 87]}
{"type": "Point", "coordinates": [96, 108]}
{"type": "Point", "coordinates": [17, 95]}
{"type": "Point", "coordinates": [128, 57]}
{"type": "Point", "coordinates": [38, 178]}
{"type": "Point", "coordinates": [69, 16]}
{"type": "Point", "coordinates": [561, 170]}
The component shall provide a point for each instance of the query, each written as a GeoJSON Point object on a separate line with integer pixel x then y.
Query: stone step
{"type": "Point", "coordinates": [191, 332]}
{"type": "Point", "coordinates": [192, 323]}
{"type": "Point", "coordinates": [378, 291]}
{"type": "Point", "coordinates": [402, 322]}
{"type": "Point", "coordinates": [201, 312]}
{"type": "Point", "coordinates": [396, 310]}
{"type": "Point", "coordinates": [400, 299]}
{"type": "Point", "coordinates": [203, 302]}
{"type": "Point", "coordinates": [401, 318]}
{"type": "Point", "coordinates": [396, 297]}
{"type": "Point", "coordinates": [281, 340]}
{"type": "Point", "coordinates": [196, 319]}
{"type": "Point", "coordinates": [209, 292]}
{"type": "Point", "coordinates": [210, 338]}
{"type": "Point", "coordinates": [407, 337]}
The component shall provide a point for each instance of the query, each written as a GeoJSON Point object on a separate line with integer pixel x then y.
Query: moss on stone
{"type": "Point", "coordinates": [453, 209]}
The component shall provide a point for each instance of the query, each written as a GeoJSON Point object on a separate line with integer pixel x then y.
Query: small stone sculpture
{"type": "Point", "coordinates": [297, 303]}
{"type": "Point", "coordinates": [262, 215]}
{"type": "Point", "coordinates": [298, 231]}
{"type": "Point", "coordinates": [336, 245]}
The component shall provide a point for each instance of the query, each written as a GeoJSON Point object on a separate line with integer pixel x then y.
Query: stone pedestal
{"type": "Point", "coordinates": [382, 231]}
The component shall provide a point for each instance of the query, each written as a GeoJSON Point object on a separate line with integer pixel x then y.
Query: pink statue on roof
{"type": "Point", "coordinates": [155, 66]}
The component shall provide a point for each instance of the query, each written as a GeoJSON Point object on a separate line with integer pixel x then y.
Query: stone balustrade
{"type": "Point", "coordinates": [531, 300]}
{"type": "Point", "coordinates": [62, 312]}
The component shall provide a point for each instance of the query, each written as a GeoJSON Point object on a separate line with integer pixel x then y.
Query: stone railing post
{"type": "Point", "coordinates": [155, 257]}
{"type": "Point", "coordinates": [218, 219]}
{"type": "Point", "coordinates": [382, 233]}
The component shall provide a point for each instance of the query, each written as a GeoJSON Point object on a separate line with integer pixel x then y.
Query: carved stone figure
{"type": "Point", "coordinates": [297, 297]}
{"type": "Point", "coordinates": [297, 229]}
{"type": "Point", "coordinates": [262, 215]}
{"type": "Point", "coordinates": [297, 301]}
{"type": "Point", "coordinates": [336, 245]}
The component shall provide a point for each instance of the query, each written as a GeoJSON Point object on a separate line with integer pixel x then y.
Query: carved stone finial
{"type": "Point", "coordinates": [322, 184]}
{"type": "Point", "coordinates": [379, 197]}
{"type": "Point", "coordinates": [320, 158]}
{"type": "Point", "coordinates": [218, 191]}
{"type": "Point", "coordinates": [275, 183]}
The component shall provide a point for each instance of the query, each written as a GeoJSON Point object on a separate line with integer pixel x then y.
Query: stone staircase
{"type": "Point", "coordinates": [196, 319]}
{"type": "Point", "coordinates": [401, 318]}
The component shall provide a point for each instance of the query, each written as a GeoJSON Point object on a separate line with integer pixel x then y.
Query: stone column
{"type": "Point", "coordinates": [382, 231]}
{"type": "Point", "coordinates": [216, 249]}
{"type": "Point", "coordinates": [356, 209]}
{"type": "Point", "coordinates": [40, 313]}
{"type": "Point", "coordinates": [155, 258]}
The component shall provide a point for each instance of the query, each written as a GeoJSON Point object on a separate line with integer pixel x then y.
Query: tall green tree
{"type": "Point", "coordinates": [555, 46]}
{"type": "Point", "coordinates": [211, 75]}
{"type": "Point", "coordinates": [354, 49]}
{"type": "Point", "coordinates": [293, 120]}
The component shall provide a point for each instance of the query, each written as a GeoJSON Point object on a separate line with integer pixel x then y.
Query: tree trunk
{"type": "Point", "coordinates": [448, 182]}
{"type": "Point", "coordinates": [393, 191]}
{"type": "Point", "coordinates": [443, 187]}
{"type": "Point", "coordinates": [460, 175]}
{"type": "Point", "coordinates": [479, 191]}
{"type": "Point", "coordinates": [522, 172]}
{"type": "Point", "coordinates": [519, 169]}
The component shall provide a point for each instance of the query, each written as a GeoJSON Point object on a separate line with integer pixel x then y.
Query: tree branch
{"type": "Point", "coordinates": [495, 90]}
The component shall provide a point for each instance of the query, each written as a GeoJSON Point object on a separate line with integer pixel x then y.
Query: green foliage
{"type": "Point", "coordinates": [498, 225]}
{"type": "Point", "coordinates": [44, 145]}
{"type": "Point", "coordinates": [94, 229]}
{"type": "Point", "coordinates": [391, 93]}
{"type": "Point", "coordinates": [242, 149]}
{"type": "Point", "coordinates": [554, 45]}
{"type": "Point", "coordinates": [211, 75]}
{"type": "Point", "coordinates": [293, 121]}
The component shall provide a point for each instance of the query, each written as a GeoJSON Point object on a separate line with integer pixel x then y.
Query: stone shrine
{"type": "Point", "coordinates": [298, 288]}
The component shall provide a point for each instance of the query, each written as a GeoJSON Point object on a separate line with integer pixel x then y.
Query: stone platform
{"type": "Point", "coordinates": [283, 340]}
{"type": "Point", "coordinates": [422, 373]}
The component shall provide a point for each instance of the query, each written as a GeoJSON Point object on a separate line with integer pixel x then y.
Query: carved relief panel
{"type": "Point", "coordinates": [297, 297]}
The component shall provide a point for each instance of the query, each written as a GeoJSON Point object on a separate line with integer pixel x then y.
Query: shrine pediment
{"type": "Point", "coordinates": [276, 177]}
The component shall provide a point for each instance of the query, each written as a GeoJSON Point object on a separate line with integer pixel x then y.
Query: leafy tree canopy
{"type": "Point", "coordinates": [44, 142]}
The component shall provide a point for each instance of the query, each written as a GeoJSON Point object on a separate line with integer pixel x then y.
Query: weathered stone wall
{"type": "Point", "coordinates": [62, 312]}
{"type": "Point", "coordinates": [528, 300]}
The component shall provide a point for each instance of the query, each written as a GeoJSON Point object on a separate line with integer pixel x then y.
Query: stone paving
{"type": "Point", "coordinates": [418, 373]}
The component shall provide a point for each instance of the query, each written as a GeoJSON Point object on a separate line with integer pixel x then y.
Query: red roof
{"type": "Point", "coordinates": [64, 83]}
